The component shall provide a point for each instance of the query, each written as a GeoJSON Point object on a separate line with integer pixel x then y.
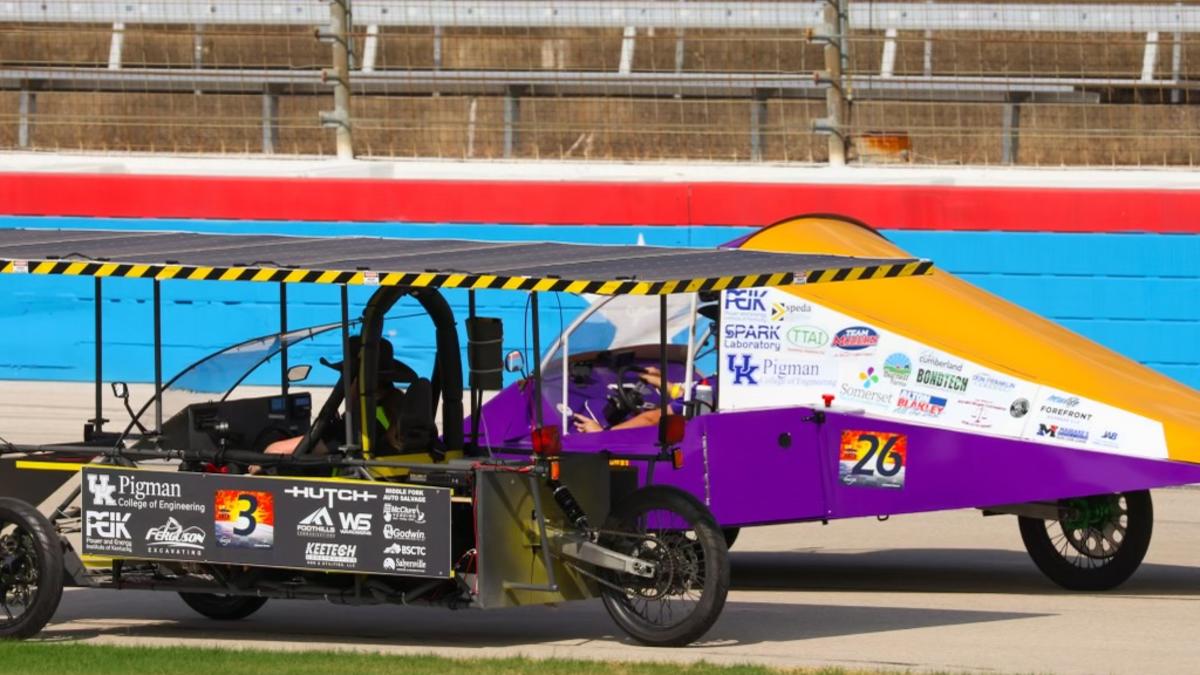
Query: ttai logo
{"type": "Point", "coordinates": [330, 494]}
{"type": "Point", "coordinates": [743, 373]}
{"type": "Point", "coordinates": [746, 301]}
{"type": "Point", "coordinates": [107, 524]}
{"type": "Point", "coordinates": [102, 492]}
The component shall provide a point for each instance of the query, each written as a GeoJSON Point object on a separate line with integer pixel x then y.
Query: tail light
{"type": "Point", "coordinates": [547, 441]}
{"type": "Point", "coordinates": [675, 426]}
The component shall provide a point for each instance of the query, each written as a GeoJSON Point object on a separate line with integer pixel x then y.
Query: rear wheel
{"type": "Point", "coordinates": [1095, 544]}
{"type": "Point", "coordinates": [31, 570]}
{"type": "Point", "coordinates": [223, 607]}
{"type": "Point", "coordinates": [683, 599]}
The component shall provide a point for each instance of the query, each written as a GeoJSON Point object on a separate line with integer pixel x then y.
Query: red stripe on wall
{"type": "Point", "coordinates": [607, 203]}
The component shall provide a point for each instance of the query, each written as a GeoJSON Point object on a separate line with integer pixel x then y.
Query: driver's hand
{"type": "Point", "coordinates": [651, 376]}
{"type": "Point", "coordinates": [586, 424]}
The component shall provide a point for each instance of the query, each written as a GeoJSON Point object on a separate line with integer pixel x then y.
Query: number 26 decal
{"type": "Point", "coordinates": [873, 459]}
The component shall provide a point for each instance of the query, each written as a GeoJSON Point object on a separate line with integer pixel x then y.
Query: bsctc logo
{"type": "Point", "coordinates": [743, 373]}
{"type": "Point", "coordinates": [746, 301]}
{"type": "Point", "coordinates": [101, 491]}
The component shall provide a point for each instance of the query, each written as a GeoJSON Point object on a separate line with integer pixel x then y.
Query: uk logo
{"type": "Point", "coordinates": [743, 373]}
{"type": "Point", "coordinates": [101, 491]}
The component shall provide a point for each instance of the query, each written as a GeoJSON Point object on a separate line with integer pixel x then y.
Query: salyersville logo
{"type": "Point", "coordinates": [807, 338]}
{"type": "Point", "coordinates": [403, 514]}
{"type": "Point", "coordinates": [134, 490]}
{"type": "Point", "coordinates": [897, 368]}
{"type": "Point", "coordinates": [107, 525]}
{"type": "Point", "coordinates": [856, 338]}
{"type": "Point", "coordinates": [172, 536]}
{"type": "Point", "coordinates": [936, 378]}
{"type": "Point", "coordinates": [403, 534]}
{"type": "Point", "coordinates": [743, 372]}
{"type": "Point", "coordinates": [319, 523]}
{"type": "Point", "coordinates": [330, 494]}
{"type": "Point", "coordinates": [1063, 433]}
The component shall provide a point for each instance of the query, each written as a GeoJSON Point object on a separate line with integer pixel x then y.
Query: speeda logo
{"type": "Point", "coordinates": [742, 369]}
{"type": "Point", "coordinates": [806, 338]}
{"type": "Point", "coordinates": [855, 338]}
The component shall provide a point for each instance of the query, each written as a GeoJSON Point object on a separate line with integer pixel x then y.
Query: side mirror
{"type": "Point", "coordinates": [514, 362]}
{"type": "Point", "coordinates": [298, 373]}
{"type": "Point", "coordinates": [120, 390]}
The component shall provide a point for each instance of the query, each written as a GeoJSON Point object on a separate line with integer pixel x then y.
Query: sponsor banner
{"type": "Point", "coordinates": [374, 528]}
{"type": "Point", "coordinates": [795, 352]}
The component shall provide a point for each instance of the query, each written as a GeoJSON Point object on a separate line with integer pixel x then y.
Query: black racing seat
{"type": "Point", "coordinates": [418, 429]}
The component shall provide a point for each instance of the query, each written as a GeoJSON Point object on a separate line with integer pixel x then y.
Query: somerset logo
{"type": "Point", "coordinates": [102, 491]}
{"type": "Point", "coordinates": [174, 536]}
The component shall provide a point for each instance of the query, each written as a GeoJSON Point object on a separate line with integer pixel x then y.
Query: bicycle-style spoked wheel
{"type": "Point", "coordinates": [1096, 543]}
{"type": "Point", "coordinates": [676, 533]}
{"type": "Point", "coordinates": [31, 571]}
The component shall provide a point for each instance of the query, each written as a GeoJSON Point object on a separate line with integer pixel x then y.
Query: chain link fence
{"type": "Point", "coordinates": [1064, 83]}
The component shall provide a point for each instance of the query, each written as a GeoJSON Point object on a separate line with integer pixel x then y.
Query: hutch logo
{"type": "Point", "coordinates": [855, 338]}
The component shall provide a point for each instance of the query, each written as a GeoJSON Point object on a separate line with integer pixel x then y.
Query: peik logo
{"type": "Point", "coordinates": [107, 524]}
{"type": "Point", "coordinates": [746, 301]}
{"type": "Point", "coordinates": [102, 491]}
{"type": "Point", "coordinates": [743, 373]}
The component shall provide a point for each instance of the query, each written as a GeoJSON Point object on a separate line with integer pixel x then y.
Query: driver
{"type": "Point", "coordinates": [651, 376]}
{"type": "Point", "coordinates": [388, 400]}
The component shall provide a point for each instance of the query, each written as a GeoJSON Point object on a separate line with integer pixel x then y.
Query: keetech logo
{"type": "Point", "coordinates": [855, 338]}
{"type": "Point", "coordinates": [330, 494]}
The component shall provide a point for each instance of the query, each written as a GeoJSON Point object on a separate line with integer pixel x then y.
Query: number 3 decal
{"type": "Point", "coordinates": [873, 459]}
{"type": "Point", "coordinates": [246, 522]}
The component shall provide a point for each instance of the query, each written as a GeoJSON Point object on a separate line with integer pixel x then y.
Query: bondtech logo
{"type": "Point", "coordinates": [330, 494]}
{"type": "Point", "coordinates": [102, 491]}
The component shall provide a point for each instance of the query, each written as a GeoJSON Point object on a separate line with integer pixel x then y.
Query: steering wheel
{"type": "Point", "coordinates": [630, 396]}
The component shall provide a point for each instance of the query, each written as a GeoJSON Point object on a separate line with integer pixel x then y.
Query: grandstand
{"type": "Point", "coordinates": [959, 83]}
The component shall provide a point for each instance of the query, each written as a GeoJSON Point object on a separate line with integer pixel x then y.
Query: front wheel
{"type": "Point", "coordinates": [223, 607]}
{"type": "Point", "coordinates": [31, 570]}
{"type": "Point", "coordinates": [683, 599]}
{"type": "Point", "coordinates": [1095, 544]}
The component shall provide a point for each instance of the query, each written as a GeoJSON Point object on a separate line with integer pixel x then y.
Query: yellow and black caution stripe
{"type": "Point", "coordinates": [460, 280]}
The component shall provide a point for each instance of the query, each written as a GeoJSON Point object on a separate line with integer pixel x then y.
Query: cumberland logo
{"type": "Point", "coordinates": [173, 536]}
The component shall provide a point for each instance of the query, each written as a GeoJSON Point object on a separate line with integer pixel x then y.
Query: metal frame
{"type": "Point", "coordinates": [703, 14]}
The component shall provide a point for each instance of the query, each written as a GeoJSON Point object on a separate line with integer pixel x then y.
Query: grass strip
{"type": "Point", "coordinates": [65, 659]}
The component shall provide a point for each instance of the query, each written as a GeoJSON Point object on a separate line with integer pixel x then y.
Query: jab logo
{"type": "Point", "coordinates": [102, 492]}
{"type": "Point", "coordinates": [746, 301]}
{"type": "Point", "coordinates": [743, 373]}
{"type": "Point", "coordinates": [1109, 436]}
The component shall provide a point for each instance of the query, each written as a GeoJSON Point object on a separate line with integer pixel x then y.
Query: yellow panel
{"type": "Point", "coordinates": [950, 314]}
{"type": "Point", "coordinates": [48, 466]}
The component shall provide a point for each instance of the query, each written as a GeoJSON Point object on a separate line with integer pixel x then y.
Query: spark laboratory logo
{"type": "Point", "coordinates": [758, 337]}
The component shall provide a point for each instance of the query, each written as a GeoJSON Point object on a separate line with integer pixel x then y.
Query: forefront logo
{"type": "Point", "coordinates": [330, 494]}
{"type": "Point", "coordinates": [102, 491]}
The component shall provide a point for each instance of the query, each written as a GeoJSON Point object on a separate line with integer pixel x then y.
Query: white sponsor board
{"type": "Point", "coordinates": [784, 351]}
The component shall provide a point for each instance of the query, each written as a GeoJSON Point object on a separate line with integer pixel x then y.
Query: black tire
{"type": "Point", "coordinates": [1096, 543]}
{"type": "Point", "coordinates": [677, 532]}
{"type": "Point", "coordinates": [223, 607]}
{"type": "Point", "coordinates": [31, 570]}
{"type": "Point", "coordinates": [731, 535]}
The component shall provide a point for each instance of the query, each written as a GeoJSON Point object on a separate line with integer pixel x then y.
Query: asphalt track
{"type": "Point", "coordinates": [944, 591]}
